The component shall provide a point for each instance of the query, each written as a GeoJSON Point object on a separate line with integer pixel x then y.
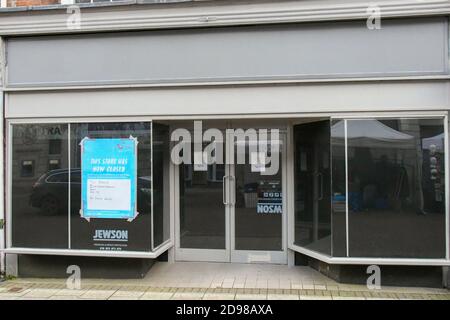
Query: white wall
{"type": "Point", "coordinates": [233, 101]}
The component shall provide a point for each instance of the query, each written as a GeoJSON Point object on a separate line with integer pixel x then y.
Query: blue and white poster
{"type": "Point", "coordinates": [108, 178]}
{"type": "Point", "coordinates": [270, 198]}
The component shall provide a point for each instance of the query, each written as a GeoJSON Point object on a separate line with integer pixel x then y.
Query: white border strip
{"type": "Point", "coordinates": [152, 224]}
{"type": "Point", "coordinates": [370, 261]}
{"type": "Point", "coordinates": [447, 186]}
{"type": "Point", "coordinates": [404, 113]}
{"type": "Point", "coordinates": [196, 83]}
{"type": "Point", "coordinates": [92, 253]}
{"type": "Point", "coordinates": [69, 188]}
{"type": "Point", "coordinates": [210, 15]}
{"type": "Point", "coordinates": [347, 240]}
{"type": "Point", "coordinates": [8, 182]}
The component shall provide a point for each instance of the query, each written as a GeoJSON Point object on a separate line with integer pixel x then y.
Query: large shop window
{"type": "Point", "coordinates": [387, 184]}
{"type": "Point", "coordinates": [396, 188]}
{"type": "Point", "coordinates": [90, 186]}
{"type": "Point", "coordinates": [161, 188]}
{"type": "Point", "coordinates": [312, 186]}
{"type": "Point", "coordinates": [39, 197]}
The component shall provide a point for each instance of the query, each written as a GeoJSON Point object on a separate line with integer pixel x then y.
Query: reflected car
{"type": "Point", "coordinates": [50, 192]}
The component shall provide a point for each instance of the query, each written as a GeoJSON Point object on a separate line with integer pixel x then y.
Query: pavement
{"type": "Point", "coordinates": [213, 281]}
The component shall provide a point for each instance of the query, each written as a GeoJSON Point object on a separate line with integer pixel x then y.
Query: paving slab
{"type": "Point", "coordinates": [276, 296]}
{"type": "Point", "coordinates": [70, 292]}
{"type": "Point", "coordinates": [127, 294]}
{"type": "Point", "coordinates": [97, 294]}
{"type": "Point", "coordinates": [155, 295]}
{"type": "Point", "coordinates": [219, 296]}
{"type": "Point", "coordinates": [212, 281]}
{"type": "Point", "coordinates": [40, 293]}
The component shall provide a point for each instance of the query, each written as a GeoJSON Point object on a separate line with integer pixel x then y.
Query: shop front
{"type": "Point", "coordinates": [324, 142]}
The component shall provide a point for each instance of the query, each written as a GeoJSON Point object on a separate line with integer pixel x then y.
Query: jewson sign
{"type": "Point", "coordinates": [270, 198]}
{"type": "Point", "coordinates": [108, 178]}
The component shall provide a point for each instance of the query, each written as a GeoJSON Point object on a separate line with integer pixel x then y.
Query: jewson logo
{"type": "Point", "coordinates": [263, 148]}
{"type": "Point", "coordinates": [111, 235]}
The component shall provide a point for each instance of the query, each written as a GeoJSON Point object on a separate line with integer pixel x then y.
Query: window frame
{"type": "Point", "coordinates": [371, 260]}
{"type": "Point", "coordinates": [9, 248]}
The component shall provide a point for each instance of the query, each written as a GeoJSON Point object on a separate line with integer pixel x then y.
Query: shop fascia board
{"type": "Point", "coordinates": [133, 16]}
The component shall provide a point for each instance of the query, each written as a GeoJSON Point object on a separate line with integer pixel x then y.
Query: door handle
{"type": "Point", "coordinates": [233, 202]}
{"type": "Point", "coordinates": [224, 193]}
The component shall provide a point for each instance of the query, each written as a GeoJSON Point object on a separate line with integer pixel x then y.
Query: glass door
{"type": "Point", "coordinates": [257, 202]}
{"type": "Point", "coordinates": [202, 223]}
{"type": "Point", "coordinates": [234, 212]}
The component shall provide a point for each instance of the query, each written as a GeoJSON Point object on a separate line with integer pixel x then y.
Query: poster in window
{"type": "Point", "coordinates": [108, 178]}
{"type": "Point", "coordinates": [270, 198]}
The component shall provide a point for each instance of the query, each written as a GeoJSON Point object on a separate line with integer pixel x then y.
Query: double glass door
{"type": "Point", "coordinates": [234, 211]}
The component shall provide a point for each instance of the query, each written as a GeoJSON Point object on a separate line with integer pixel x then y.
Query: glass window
{"type": "Point", "coordinates": [41, 179]}
{"type": "Point", "coordinates": [258, 209]}
{"type": "Point", "coordinates": [312, 188]}
{"type": "Point", "coordinates": [53, 164]}
{"type": "Point", "coordinates": [112, 234]}
{"type": "Point", "coordinates": [27, 168]}
{"type": "Point", "coordinates": [396, 188]}
{"type": "Point", "coordinates": [338, 181]}
{"type": "Point", "coordinates": [54, 146]}
{"type": "Point", "coordinates": [202, 215]}
{"type": "Point", "coordinates": [161, 190]}
{"type": "Point", "coordinates": [39, 207]}
{"type": "Point", "coordinates": [58, 177]}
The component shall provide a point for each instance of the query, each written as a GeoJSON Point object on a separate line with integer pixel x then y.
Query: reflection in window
{"type": "Point", "coordinates": [54, 146]}
{"type": "Point", "coordinates": [202, 217]}
{"type": "Point", "coordinates": [27, 168]}
{"type": "Point", "coordinates": [161, 190]}
{"type": "Point", "coordinates": [41, 180]}
{"type": "Point", "coordinates": [312, 186]}
{"type": "Point", "coordinates": [53, 164]}
{"type": "Point", "coordinates": [339, 189]}
{"type": "Point", "coordinates": [58, 176]}
{"type": "Point", "coordinates": [396, 188]}
{"type": "Point", "coordinates": [39, 207]}
{"type": "Point", "coordinates": [259, 197]}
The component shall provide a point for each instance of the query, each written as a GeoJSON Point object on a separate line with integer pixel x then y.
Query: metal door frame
{"type": "Point", "coordinates": [229, 254]}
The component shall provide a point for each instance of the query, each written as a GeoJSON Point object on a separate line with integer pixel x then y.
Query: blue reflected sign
{"type": "Point", "coordinates": [108, 178]}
